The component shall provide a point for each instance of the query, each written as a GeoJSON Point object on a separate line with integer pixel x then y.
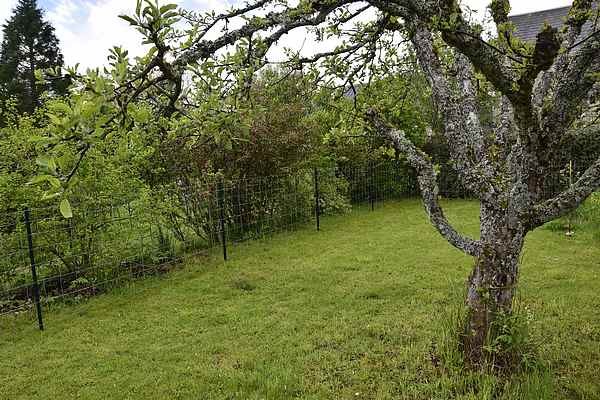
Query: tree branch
{"type": "Point", "coordinates": [569, 87]}
{"type": "Point", "coordinates": [567, 200]}
{"type": "Point", "coordinates": [570, 78]}
{"type": "Point", "coordinates": [427, 183]}
{"type": "Point", "coordinates": [461, 122]}
{"type": "Point", "coordinates": [286, 20]}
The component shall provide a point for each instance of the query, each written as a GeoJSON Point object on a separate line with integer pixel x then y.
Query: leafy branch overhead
{"type": "Point", "coordinates": [180, 52]}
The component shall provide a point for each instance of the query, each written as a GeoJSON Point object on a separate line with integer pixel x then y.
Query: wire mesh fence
{"type": "Point", "coordinates": [121, 241]}
{"type": "Point", "coordinates": [46, 258]}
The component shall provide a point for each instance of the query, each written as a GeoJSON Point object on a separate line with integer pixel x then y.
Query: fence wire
{"type": "Point", "coordinates": [119, 241]}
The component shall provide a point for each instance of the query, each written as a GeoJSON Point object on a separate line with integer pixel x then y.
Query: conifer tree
{"type": "Point", "coordinates": [29, 43]}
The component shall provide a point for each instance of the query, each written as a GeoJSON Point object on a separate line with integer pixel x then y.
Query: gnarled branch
{"type": "Point", "coordinates": [427, 183]}
{"type": "Point", "coordinates": [564, 87]}
{"type": "Point", "coordinates": [285, 21]}
{"type": "Point", "coordinates": [461, 122]}
{"type": "Point", "coordinates": [447, 17]}
{"type": "Point", "coordinates": [567, 200]}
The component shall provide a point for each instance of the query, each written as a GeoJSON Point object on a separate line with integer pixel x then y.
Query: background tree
{"type": "Point", "coordinates": [29, 43]}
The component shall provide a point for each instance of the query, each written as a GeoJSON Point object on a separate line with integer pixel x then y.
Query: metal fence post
{"type": "Point", "coordinates": [36, 287]}
{"type": "Point", "coordinates": [317, 197]}
{"type": "Point", "coordinates": [371, 184]}
{"type": "Point", "coordinates": [221, 201]}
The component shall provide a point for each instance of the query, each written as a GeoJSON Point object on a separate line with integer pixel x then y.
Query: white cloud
{"type": "Point", "coordinates": [87, 30]}
{"type": "Point", "coordinates": [216, 5]}
{"type": "Point", "coordinates": [63, 13]}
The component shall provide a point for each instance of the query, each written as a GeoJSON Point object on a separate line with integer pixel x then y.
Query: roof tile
{"type": "Point", "coordinates": [527, 26]}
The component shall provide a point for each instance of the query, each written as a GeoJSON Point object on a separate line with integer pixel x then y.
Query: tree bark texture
{"type": "Point", "coordinates": [492, 283]}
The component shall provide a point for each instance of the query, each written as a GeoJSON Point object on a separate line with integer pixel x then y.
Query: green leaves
{"type": "Point", "coordinates": [65, 208]}
{"type": "Point", "coordinates": [39, 76]}
{"type": "Point", "coordinates": [119, 61]}
{"type": "Point", "coordinates": [48, 163]}
{"type": "Point", "coordinates": [39, 179]}
{"type": "Point", "coordinates": [165, 9]}
{"type": "Point", "coordinates": [152, 21]}
{"type": "Point", "coordinates": [132, 21]}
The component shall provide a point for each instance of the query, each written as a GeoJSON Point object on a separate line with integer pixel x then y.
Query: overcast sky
{"type": "Point", "coordinates": [88, 28]}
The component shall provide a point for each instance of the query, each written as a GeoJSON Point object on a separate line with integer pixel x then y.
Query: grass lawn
{"type": "Point", "coordinates": [351, 312]}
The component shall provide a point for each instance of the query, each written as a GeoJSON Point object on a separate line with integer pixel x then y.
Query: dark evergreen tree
{"type": "Point", "coordinates": [29, 43]}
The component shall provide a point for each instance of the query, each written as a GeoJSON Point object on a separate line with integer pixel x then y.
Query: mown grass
{"type": "Point", "coordinates": [356, 311]}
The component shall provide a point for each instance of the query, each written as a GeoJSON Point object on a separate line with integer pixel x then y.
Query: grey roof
{"type": "Point", "coordinates": [527, 26]}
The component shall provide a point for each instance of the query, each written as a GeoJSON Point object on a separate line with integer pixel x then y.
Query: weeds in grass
{"type": "Point", "coordinates": [243, 284]}
{"type": "Point", "coordinates": [512, 365]}
{"type": "Point", "coordinates": [509, 345]}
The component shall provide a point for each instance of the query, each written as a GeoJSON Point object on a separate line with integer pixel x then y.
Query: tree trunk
{"type": "Point", "coordinates": [492, 284]}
